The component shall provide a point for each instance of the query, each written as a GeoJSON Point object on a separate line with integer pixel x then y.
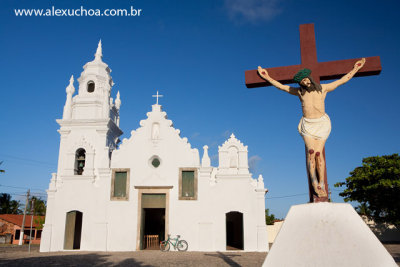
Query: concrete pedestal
{"type": "Point", "coordinates": [326, 234]}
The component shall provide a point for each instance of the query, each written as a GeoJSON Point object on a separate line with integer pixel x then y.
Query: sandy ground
{"type": "Point", "coordinates": [19, 256]}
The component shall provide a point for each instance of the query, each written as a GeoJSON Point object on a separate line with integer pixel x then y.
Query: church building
{"type": "Point", "coordinates": [109, 195]}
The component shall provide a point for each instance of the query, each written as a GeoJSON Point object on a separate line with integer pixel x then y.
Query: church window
{"type": "Point", "coordinates": [80, 157]}
{"type": "Point", "coordinates": [155, 162]}
{"type": "Point", "coordinates": [90, 86]}
{"type": "Point", "coordinates": [188, 184]}
{"type": "Point", "coordinates": [120, 184]}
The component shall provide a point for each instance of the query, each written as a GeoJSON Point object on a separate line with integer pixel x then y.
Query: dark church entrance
{"type": "Point", "coordinates": [73, 230]}
{"type": "Point", "coordinates": [234, 230]}
{"type": "Point", "coordinates": [153, 220]}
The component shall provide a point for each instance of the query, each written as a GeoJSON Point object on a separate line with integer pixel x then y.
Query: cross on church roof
{"type": "Point", "coordinates": [157, 95]}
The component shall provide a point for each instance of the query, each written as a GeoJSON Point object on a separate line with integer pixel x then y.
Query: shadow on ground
{"type": "Point", "coordinates": [92, 259]}
{"type": "Point", "coordinates": [396, 257]}
{"type": "Point", "coordinates": [226, 258]}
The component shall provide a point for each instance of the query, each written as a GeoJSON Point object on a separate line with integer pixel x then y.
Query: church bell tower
{"type": "Point", "coordinates": [89, 127]}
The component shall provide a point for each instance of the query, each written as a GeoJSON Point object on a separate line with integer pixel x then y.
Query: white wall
{"type": "Point", "coordinates": [109, 225]}
{"type": "Point", "coordinates": [273, 231]}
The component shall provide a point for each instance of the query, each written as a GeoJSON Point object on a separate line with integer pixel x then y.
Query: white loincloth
{"type": "Point", "coordinates": [319, 128]}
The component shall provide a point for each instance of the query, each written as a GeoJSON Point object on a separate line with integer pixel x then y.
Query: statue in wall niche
{"type": "Point", "coordinates": [155, 131]}
{"type": "Point", "coordinates": [315, 125]}
{"type": "Point", "coordinates": [233, 155]}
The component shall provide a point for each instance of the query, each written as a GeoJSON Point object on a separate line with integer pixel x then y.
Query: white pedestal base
{"type": "Point", "coordinates": [326, 234]}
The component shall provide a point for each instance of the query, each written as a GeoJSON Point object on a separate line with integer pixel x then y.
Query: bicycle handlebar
{"type": "Point", "coordinates": [178, 236]}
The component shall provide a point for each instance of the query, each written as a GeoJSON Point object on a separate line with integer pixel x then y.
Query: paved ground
{"type": "Point", "coordinates": [394, 250]}
{"type": "Point", "coordinates": [19, 256]}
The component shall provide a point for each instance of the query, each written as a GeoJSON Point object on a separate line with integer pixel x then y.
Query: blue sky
{"type": "Point", "coordinates": [195, 53]}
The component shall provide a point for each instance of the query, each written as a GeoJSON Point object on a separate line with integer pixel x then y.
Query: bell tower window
{"type": "Point", "coordinates": [90, 86]}
{"type": "Point", "coordinates": [80, 157]}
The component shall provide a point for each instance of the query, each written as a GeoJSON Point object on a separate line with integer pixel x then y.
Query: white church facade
{"type": "Point", "coordinates": [109, 195]}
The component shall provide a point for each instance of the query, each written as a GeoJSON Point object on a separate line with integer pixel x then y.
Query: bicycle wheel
{"type": "Point", "coordinates": [182, 245]}
{"type": "Point", "coordinates": [164, 246]}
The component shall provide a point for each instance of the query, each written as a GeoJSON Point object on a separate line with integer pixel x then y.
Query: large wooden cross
{"type": "Point", "coordinates": [320, 71]}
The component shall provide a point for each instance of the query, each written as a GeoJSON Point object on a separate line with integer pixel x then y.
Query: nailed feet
{"type": "Point", "coordinates": [319, 189]}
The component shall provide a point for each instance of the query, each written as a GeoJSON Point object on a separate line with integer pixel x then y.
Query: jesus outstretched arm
{"type": "Point", "coordinates": [333, 85]}
{"type": "Point", "coordinates": [264, 74]}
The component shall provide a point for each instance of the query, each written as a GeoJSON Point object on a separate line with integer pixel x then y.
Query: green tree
{"type": "Point", "coordinates": [376, 186]}
{"type": "Point", "coordinates": [363, 209]}
{"type": "Point", "coordinates": [39, 208]}
{"type": "Point", "coordinates": [8, 206]}
{"type": "Point", "coordinates": [40, 222]}
{"type": "Point", "coordinates": [269, 219]}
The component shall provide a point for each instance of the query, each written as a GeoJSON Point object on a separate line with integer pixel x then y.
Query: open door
{"type": "Point", "coordinates": [234, 230]}
{"type": "Point", "coordinates": [73, 230]}
{"type": "Point", "coordinates": [152, 228]}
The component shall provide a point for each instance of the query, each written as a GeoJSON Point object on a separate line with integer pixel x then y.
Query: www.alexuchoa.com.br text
{"type": "Point", "coordinates": [78, 12]}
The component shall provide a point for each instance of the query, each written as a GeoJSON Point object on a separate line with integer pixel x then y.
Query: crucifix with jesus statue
{"type": "Point", "coordinates": [315, 125]}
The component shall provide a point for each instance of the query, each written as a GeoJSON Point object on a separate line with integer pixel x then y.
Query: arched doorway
{"type": "Point", "coordinates": [73, 230]}
{"type": "Point", "coordinates": [234, 230]}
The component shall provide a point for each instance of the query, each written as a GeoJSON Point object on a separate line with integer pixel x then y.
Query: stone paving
{"type": "Point", "coordinates": [19, 256]}
{"type": "Point", "coordinates": [394, 250]}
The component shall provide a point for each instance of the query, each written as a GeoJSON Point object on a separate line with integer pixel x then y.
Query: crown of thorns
{"type": "Point", "coordinates": [304, 73]}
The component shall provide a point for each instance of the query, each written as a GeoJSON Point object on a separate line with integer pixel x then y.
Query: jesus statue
{"type": "Point", "coordinates": [315, 125]}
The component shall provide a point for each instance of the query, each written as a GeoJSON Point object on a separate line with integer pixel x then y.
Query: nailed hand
{"type": "Point", "coordinates": [263, 72]}
{"type": "Point", "coordinates": [359, 64]}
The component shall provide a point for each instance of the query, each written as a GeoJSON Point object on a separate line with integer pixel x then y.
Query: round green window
{"type": "Point", "coordinates": [155, 162]}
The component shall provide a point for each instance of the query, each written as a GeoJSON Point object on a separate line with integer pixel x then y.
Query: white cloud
{"type": "Point", "coordinates": [226, 134]}
{"type": "Point", "coordinates": [253, 162]}
{"type": "Point", "coordinates": [252, 10]}
{"type": "Point", "coordinates": [195, 134]}
{"type": "Point", "coordinates": [214, 157]}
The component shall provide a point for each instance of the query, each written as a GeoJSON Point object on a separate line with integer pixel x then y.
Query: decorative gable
{"type": "Point", "coordinates": [155, 151]}
{"type": "Point", "coordinates": [233, 157]}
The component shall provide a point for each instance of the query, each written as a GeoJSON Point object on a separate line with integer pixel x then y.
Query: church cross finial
{"type": "Point", "coordinates": [70, 88]}
{"type": "Point", "coordinates": [118, 101]}
{"type": "Point", "coordinates": [157, 95]}
{"type": "Point", "coordinates": [99, 51]}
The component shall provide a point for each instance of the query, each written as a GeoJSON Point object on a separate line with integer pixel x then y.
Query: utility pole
{"type": "Point", "coordinates": [21, 234]}
{"type": "Point", "coordinates": [30, 232]}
